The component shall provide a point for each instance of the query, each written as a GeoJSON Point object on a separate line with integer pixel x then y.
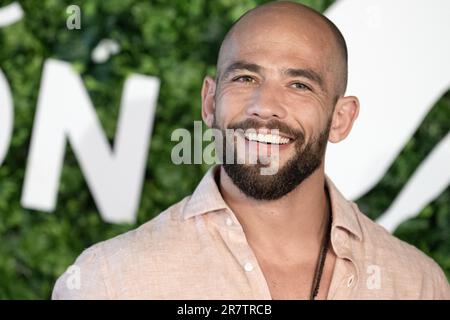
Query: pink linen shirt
{"type": "Point", "coordinates": [196, 249]}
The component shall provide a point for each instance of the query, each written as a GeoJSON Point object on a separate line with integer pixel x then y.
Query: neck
{"type": "Point", "coordinates": [291, 227]}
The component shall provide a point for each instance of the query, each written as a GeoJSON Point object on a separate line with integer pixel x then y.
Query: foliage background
{"type": "Point", "coordinates": [177, 41]}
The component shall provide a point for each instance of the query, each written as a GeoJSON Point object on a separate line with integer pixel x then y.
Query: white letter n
{"type": "Point", "coordinates": [65, 112]}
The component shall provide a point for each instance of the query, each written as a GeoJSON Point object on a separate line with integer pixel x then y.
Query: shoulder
{"type": "Point", "coordinates": [110, 261]}
{"type": "Point", "coordinates": [403, 266]}
{"type": "Point", "coordinates": [165, 226]}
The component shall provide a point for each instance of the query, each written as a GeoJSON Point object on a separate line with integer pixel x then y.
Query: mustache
{"type": "Point", "coordinates": [271, 125]}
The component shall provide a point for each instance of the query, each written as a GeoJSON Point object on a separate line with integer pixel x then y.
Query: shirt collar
{"type": "Point", "coordinates": [344, 212]}
{"type": "Point", "coordinates": [207, 198]}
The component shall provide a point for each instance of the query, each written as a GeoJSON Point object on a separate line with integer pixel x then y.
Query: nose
{"type": "Point", "coordinates": [266, 103]}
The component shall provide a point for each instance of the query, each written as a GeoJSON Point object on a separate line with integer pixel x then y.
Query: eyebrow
{"type": "Point", "coordinates": [291, 72]}
{"type": "Point", "coordinates": [241, 65]}
{"type": "Point", "coordinates": [305, 73]}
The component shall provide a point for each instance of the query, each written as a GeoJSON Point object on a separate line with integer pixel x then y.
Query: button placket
{"type": "Point", "coordinates": [234, 237]}
{"type": "Point", "coordinates": [348, 271]}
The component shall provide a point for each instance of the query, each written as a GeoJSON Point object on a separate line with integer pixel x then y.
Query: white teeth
{"type": "Point", "coordinates": [266, 138]}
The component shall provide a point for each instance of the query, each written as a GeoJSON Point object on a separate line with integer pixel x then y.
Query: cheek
{"type": "Point", "coordinates": [309, 113]}
{"type": "Point", "coordinates": [235, 96]}
{"type": "Point", "coordinates": [305, 105]}
{"type": "Point", "coordinates": [231, 104]}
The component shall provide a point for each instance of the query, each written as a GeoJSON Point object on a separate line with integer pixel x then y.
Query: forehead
{"type": "Point", "coordinates": [279, 41]}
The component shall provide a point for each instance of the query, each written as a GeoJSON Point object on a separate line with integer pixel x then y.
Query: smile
{"type": "Point", "coordinates": [267, 138]}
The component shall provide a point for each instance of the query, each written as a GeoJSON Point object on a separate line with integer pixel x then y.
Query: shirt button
{"type": "Point", "coordinates": [229, 222]}
{"type": "Point", "coordinates": [248, 267]}
{"type": "Point", "coordinates": [350, 281]}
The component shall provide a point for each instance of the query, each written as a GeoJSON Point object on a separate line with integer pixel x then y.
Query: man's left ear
{"type": "Point", "coordinates": [345, 113]}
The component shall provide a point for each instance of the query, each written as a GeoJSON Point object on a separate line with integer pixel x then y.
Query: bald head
{"type": "Point", "coordinates": [316, 38]}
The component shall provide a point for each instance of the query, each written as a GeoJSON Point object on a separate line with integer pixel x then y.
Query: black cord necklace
{"type": "Point", "coordinates": [321, 261]}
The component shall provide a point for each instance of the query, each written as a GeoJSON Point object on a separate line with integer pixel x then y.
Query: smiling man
{"type": "Point", "coordinates": [246, 235]}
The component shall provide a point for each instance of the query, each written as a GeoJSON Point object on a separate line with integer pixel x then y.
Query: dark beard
{"type": "Point", "coordinates": [306, 160]}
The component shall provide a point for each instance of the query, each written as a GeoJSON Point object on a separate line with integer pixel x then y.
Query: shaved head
{"type": "Point", "coordinates": [283, 20]}
{"type": "Point", "coordinates": [281, 66]}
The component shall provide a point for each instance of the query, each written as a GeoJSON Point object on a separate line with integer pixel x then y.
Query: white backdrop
{"type": "Point", "coordinates": [399, 66]}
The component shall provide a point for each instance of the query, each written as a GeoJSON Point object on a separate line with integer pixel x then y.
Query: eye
{"type": "Point", "coordinates": [247, 79]}
{"type": "Point", "coordinates": [301, 86]}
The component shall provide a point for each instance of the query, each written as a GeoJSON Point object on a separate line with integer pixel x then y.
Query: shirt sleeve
{"type": "Point", "coordinates": [85, 279]}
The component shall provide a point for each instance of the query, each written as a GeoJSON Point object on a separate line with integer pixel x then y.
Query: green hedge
{"type": "Point", "coordinates": [177, 41]}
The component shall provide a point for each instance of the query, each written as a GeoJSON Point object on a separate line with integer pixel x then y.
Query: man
{"type": "Point", "coordinates": [245, 235]}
